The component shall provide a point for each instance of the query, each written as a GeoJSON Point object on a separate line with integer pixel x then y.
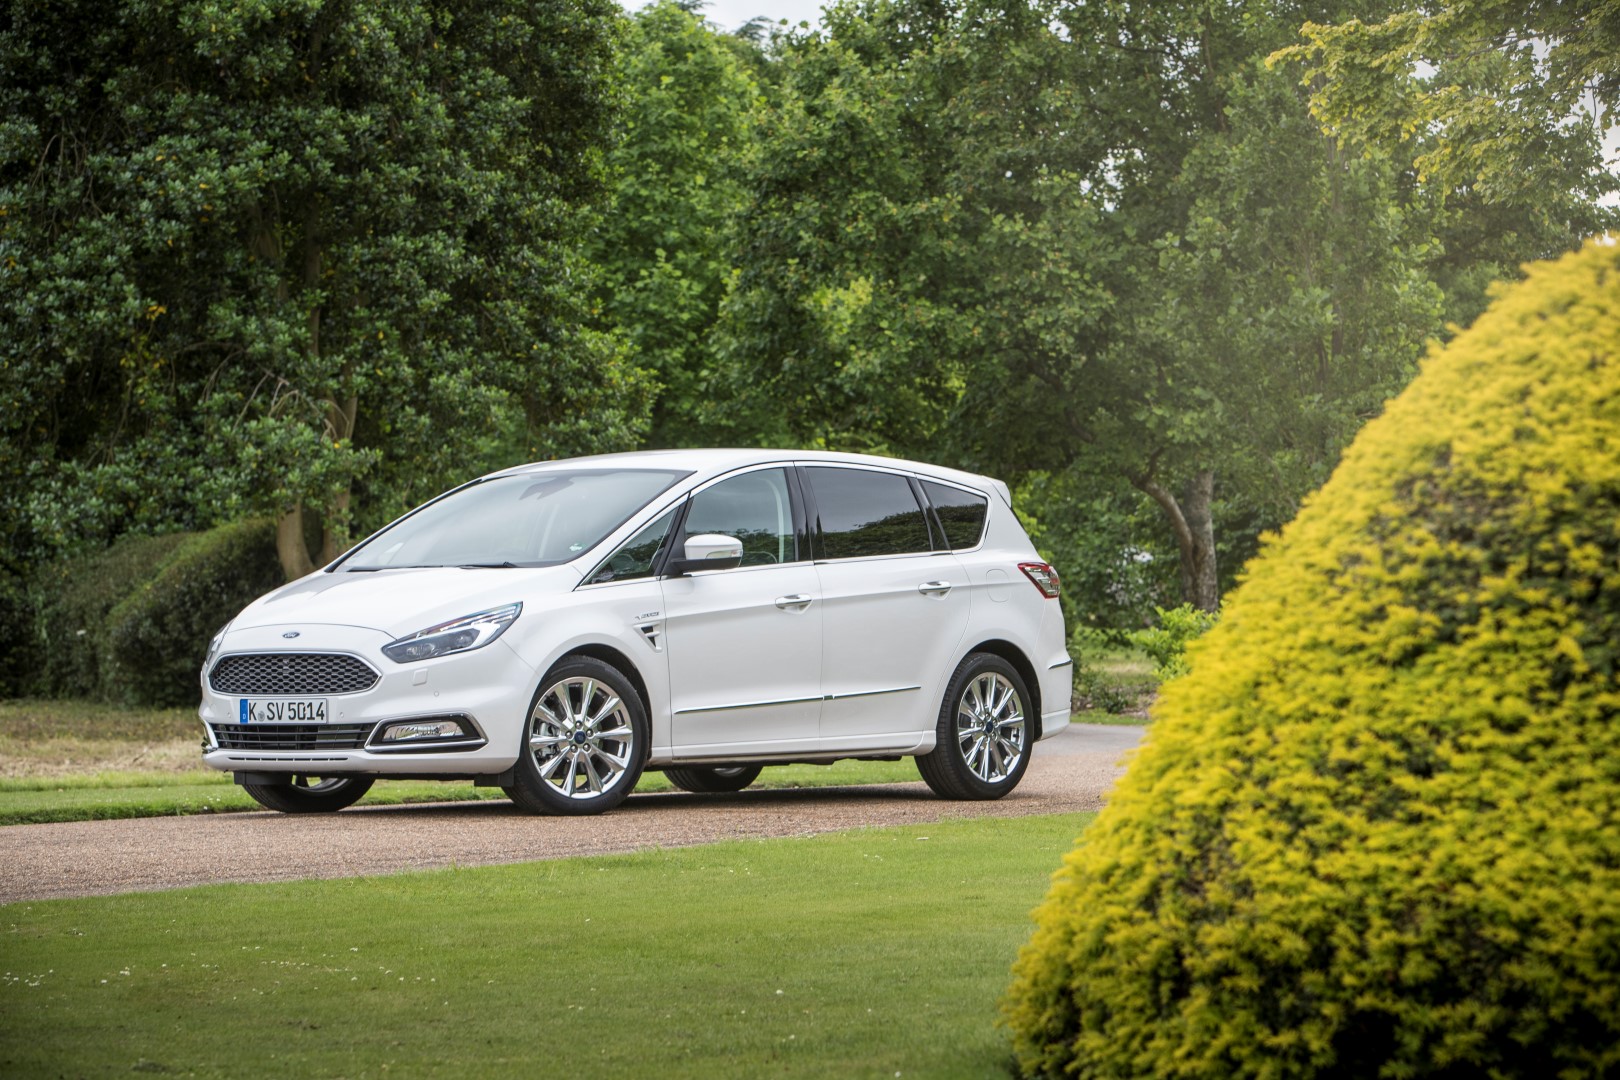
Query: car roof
{"type": "Point", "coordinates": [712, 462]}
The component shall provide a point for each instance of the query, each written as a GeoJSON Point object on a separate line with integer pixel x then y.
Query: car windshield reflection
{"type": "Point", "coordinates": [513, 521]}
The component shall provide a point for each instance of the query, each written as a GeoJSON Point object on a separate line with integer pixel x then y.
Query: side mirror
{"type": "Point", "coordinates": [708, 551]}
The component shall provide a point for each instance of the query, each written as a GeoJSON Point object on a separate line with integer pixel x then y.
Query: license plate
{"type": "Point", "coordinates": [303, 710]}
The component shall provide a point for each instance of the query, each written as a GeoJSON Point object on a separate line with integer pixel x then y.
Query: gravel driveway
{"type": "Point", "coordinates": [1072, 771]}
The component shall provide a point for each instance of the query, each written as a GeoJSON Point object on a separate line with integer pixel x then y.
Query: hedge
{"type": "Point", "coordinates": [71, 601]}
{"type": "Point", "coordinates": [132, 624]}
{"type": "Point", "coordinates": [1375, 831]}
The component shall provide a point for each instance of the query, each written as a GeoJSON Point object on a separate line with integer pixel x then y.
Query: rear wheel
{"type": "Point", "coordinates": [713, 779]}
{"type": "Point", "coordinates": [983, 737]}
{"type": "Point", "coordinates": [585, 741]}
{"type": "Point", "coordinates": [310, 794]}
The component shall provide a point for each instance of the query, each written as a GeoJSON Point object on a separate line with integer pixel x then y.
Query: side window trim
{"type": "Point", "coordinates": [803, 513]}
{"type": "Point", "coordinates": [936, 531]}
{"type": "Point", "coordinates": [677, 538]}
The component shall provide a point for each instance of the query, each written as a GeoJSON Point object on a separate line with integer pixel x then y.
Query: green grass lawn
{"type": "Point", "coordinates": [1101, 716]}
{"type": "Point", "coordinates": [871, 953]}
{"type": "Point", "coordinates": [116, 794]}
{"type": "Point", "coordinates": [79, 761]}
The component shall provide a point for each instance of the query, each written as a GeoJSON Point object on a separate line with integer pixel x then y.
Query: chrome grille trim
{"type": "Point", "coordinates": [293, 737]}
{"type": "Point", "coordinates": [303, 674]}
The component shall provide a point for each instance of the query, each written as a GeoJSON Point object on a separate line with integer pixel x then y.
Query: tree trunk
{"type": "Point", "coordinates": [1191, 521]}
{"type": "Point", "coordinates": [340, 420]}
{"type": "Point", "coordinates": [334, 528]}
{"type": "Point", "coordinates": [290, 546]}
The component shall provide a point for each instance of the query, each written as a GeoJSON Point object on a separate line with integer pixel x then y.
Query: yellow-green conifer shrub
{"type": "Point", "coordinates": [1376, 831]}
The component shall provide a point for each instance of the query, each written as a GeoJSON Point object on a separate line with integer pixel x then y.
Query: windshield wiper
{"type": "Point", "coordinates": [489, 566]}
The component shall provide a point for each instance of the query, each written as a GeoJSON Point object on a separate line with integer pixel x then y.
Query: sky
{"type": "Point", "coordinates": [730, 14]}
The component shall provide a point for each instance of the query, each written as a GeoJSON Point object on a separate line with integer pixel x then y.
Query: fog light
{"type": "Point", "coordinates": [427, 729]}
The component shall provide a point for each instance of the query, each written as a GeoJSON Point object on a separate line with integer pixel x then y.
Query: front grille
{"type": "Point", "coordinates": [291, 673]}
{"type": "Point", "coordinates": [292, 736]}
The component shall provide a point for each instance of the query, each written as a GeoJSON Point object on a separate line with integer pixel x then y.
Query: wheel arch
{"type": "Point", "coordinates": [617, 660]}
{"type": "Point", "coordinates": [1026, 671]}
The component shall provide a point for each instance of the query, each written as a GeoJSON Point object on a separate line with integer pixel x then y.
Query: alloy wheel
{"type": "Point", "coordinates": [581, 738]}
{"type": "Point", "coordinates": [990, 728]}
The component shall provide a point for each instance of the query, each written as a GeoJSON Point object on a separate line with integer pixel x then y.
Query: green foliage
{"type": "Point", "coordinates": [1372, 833]}
{"type": "Point", "coordinates": [682, 133]}
{"type": "Point", "coordinates": [1111, 675]}
{"type": "Point", "coordinates": [1095, 689]}
{"type": "Point", "coordinates": [1501, 99]}
{"type": "Point", "coordinates": [18, 658]}
{"type": "Point", "coordinates": [131, 624]}
{"type": "Point", "coordinates": [1166, 643]}
{"type": "Point", "coordinates": [72, 599]}
{"type": "Point", "coordinates": [1108, 543]}
{"type": "Point", "coordinates": [157, 635]}
{"type": "Point", "coordinates": [947, 254]}
{"type": "Point", "coordinates": [293, 251]}
{"type": "Point", "coordinates": [1497, 106]}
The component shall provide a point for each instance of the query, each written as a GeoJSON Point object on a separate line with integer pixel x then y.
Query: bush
{"type": "Point", "coordinates": [1166, 644]}
{"type": "Point", "coordinates": [1376, 830]}
{"type": "Point", "coordinates": [158, 635]}
{"type": "Point", "coordinates": [1106, 674]}
{"type": "Point", "coordinates": [72, 598]}
{"type": "Point", "coordinates": [1096, 689]}
{"type": "Point", "coordinates": [131, 624]}
{"type": "Point", "coordinates": [19, 659]}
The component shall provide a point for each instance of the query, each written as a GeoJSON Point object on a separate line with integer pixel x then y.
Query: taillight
{"type": "Point", "coordinates": [1045, 578]}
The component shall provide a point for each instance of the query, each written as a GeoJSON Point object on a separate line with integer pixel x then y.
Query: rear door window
{"type": "Point", "coordinates": [862, 513]}
{"type": "Point", "coordinates": [960, 513]}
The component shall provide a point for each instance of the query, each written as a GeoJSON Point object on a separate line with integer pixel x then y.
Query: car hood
{"type": "Point", "coordinates": [400, 602]}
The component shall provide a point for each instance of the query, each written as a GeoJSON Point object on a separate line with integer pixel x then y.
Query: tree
{"type": "Point", "coordinates": [274, 254]}
{"type": "Point", "coordinates": [1504, 99]}
{"type": "Point", "coordinates": [661, 247]}
{"type": "Point", "coordinates": [1099, 237]}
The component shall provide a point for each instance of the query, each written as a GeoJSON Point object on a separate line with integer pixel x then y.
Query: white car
{"type": "Point", "coordinates": [558, 628]}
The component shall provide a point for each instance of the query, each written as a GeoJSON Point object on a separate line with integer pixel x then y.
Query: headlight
{"type": "Point", "coordinates": [457, 635]}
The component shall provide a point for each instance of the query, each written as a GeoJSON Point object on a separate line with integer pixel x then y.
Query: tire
{"type": "Point", "coordinates": [983, 744]}
{"type": "Point", "coordinates": [585, 741]}
{"type": "Point", "coordinates": [325, 795]}
{"type": "Point", "coordinates": [713, 779]}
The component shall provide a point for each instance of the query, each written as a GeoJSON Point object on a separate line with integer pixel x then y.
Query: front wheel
{"type": "Point", "coordinates": [982, 745]}
{"type": "Point", "coordinates": [310, 794]}
{"type": "Point", "coordinates": [585, 742]}
{"type": "Point", "coordinates": [713, 779]}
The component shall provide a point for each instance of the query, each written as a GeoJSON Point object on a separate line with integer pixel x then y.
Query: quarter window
{"type": "Point", "coordinates": [637, 555]}
{"type": "Point", "coordinates": [863, 513]}
{"type": "Point", "coordinates": [754, 508]}
{"type": "Point", "coordinates": [960, 513]}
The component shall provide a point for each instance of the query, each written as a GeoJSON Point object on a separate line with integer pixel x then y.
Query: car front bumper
{"type": "Point", "coordinates": [487, 690]}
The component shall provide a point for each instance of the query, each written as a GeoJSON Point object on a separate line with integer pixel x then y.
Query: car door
{"type": "Point", "coordinates": [745, 644]}
{"type": "Point", "coordinates": [894, 609]}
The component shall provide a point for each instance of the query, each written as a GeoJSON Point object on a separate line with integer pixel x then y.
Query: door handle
{"type": "Point", "coordinates": [795, 602]}
{"type": "Point", "coordinates": [934, 588]}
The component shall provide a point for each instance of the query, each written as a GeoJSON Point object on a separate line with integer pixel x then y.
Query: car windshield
{"type": "Point", "coordinates": [524, 519]}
